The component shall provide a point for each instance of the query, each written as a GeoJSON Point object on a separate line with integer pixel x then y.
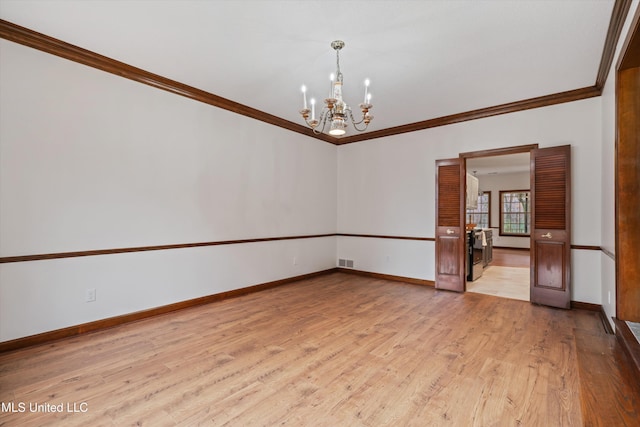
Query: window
{"type": "Point", "coordinates": [481, 214]}
{"type": "Point", "coordinates": [515, 213]}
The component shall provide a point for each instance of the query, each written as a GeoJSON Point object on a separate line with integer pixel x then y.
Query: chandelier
{"type": "Point", "coordinates": [336, 113]}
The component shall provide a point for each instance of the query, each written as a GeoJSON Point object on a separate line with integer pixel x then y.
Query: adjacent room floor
{"type": "Point", "coordinates": [507, 276]}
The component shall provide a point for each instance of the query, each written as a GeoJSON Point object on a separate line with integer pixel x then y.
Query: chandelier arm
{"type": "Point", "coordinates": [313, 125]}
{"type": "Point", "coordinates": [354, 121]}
{"type": "Point", "coordinates": [316, 131]}
{"type": "Point", "coordinates": [323, 119]}
{"type": "Point", "coordinates": [355, 124]}
{"type": "Point", "coordinates": [358, 129]}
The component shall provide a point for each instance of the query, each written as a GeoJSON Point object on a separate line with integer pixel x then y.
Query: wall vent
{"type": "Point", "coordinates": [348, 263]}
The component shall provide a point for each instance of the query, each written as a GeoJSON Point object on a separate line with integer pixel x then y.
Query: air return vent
{"type": "Point", "coordinates": [348, 263]}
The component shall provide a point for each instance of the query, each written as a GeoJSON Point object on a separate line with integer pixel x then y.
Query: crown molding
{"type": "Point", "coordinates": [35, 40]}
{"type": "Point", "coordinates": [618, 16]}
{"type": "Point", "coordinates": [511, 107]}
{"type": "Point", "coordinates": [630, 52]}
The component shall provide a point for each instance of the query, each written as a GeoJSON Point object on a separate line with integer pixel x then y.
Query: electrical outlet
{"type": "Point", "coordinates": [609, 296]}
{"type": "Point", "coordinates": [90, 295]}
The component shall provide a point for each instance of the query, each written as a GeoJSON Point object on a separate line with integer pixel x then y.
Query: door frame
{"type": "Point", "coordinates": [492, 153]}
{"type": "Point", "coordinates": [626, 170]}
{"type": "Point", "coordinates": [498, 152]}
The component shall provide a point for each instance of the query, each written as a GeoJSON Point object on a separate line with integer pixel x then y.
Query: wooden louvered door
{"type": "Point", "coordinates": [551, 226]}
{"type": "Point", "coordinates": [450, 235]}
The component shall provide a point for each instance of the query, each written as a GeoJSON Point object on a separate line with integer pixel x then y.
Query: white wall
{"type": "Point", "coordinates": [89, 160]}
{"type": "Point", "coordinates": [608, 177]}
{"type": "Point", "coordinates": [387, 187]}
{"type": "Point", "coordinates": [503, 182]}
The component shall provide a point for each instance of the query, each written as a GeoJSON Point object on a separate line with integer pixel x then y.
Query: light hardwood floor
{"type": "Point", "coordinates": [507, 276]}
{"type": "Point", "coordinates": [505, 282]}
{"type": "Point", "coordinates": [506, 257]}
{"type": "Point", "coordinates": [335, 350]}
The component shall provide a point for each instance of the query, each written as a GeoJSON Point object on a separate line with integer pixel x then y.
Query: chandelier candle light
{"type": "Point", "coordinates": [336, 112]}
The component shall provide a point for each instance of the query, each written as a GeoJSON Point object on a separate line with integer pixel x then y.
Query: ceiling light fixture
{"type": "Point", "coordinates": [336, 113]}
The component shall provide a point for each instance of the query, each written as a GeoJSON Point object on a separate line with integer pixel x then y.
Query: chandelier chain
{"type": "Point", "coordinates": [339, 73]}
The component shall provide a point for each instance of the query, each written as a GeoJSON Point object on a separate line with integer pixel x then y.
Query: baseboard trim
{"type": "Point", "coordinates": [98, 325]}
{"type": "Point", "coordinates": [586, 306]}
{"type": "Point", "coordinates": [605, 322]}
{"type": "Point", "coordinates": [403, 279]}
{"type": "Point", "coordinates": [577, 305]}
{"type": "Point", "coordinates": [630, 346]}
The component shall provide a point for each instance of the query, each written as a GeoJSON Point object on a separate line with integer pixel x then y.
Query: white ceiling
{"type": "Point", "coordinates": [425, 59]}
{"type": "Point", "coordinates": [508, 163]}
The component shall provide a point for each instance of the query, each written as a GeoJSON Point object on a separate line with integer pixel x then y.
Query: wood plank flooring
{"type": "Point", "coordinates": [507, 276]}
{"type": "Point", "coordinates": [604, 374]}
{"type": "Point", "coordinates": [335, 350]}
{"type": "Point", "coordinates": [505, 282]}
{"type": "Point", "coordinates": [505, 257]}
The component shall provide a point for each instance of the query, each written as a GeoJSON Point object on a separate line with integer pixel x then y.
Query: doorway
{"type": "Point", "coordinates": [550, 224]}
{"type": "Point", "coordinates": [502, 183]}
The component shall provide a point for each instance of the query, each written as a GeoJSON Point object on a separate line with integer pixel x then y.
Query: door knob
{"type": "Point", "coordinates": [449, 231]}
{"type": "Point", "coordinates": [546, 236]}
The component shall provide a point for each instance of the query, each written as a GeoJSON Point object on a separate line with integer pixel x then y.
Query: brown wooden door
{"type": "Point", "coordinates": [551, 226]}
{"type": "Point", "coordinates": [450, 232]}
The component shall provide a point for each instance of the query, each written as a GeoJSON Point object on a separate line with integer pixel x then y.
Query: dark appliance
{"type": "Point", "coordinates": [475, 255]}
